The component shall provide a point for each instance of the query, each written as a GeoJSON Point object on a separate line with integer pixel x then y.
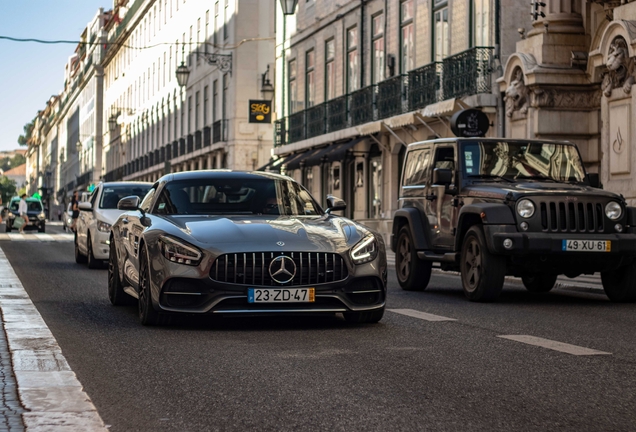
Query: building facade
{"type": "Point", "coordinates": [572, 78]}
{"type": "Point", "coordinates": [360, 81]}
{"type": "Point", "coordinates": [156, 125]}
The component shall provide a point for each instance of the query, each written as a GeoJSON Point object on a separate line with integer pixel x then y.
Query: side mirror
{"type": "Point", "coordinates": [129, 203]}
{"type": "Point", "coordinates": [594, 180]}
{"type": "Point", "coordinates": [85, 206]}
{"type": "Point", "coordinates": [442, 176]}
{"type": "Point", "coordinates": [335, 204]}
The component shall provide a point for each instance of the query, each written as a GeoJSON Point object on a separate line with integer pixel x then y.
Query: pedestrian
{"type": "Point", "coordinates": [59, 214]}
{"type": "Point", "coordinates": [22, 211]}
{"type": "Point", "coordinates": [75, 210]}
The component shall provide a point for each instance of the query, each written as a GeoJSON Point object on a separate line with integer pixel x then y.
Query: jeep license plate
{"type": "Point", "coordinates": [586, 246]}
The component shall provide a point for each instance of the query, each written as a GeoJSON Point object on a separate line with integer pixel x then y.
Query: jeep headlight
{"type": "Point", "coordinates": [365, 250]}
{"type": "Point", "coordinates": [103, 226]}
{"type": "Point", "coordinates": [41, 216]}
{"type": "Point", "coordinates": [525, 208]}
{"type": "Point", "coordinates": [613, 210]}
{"type": "Point", "coordinates": [178, 252]}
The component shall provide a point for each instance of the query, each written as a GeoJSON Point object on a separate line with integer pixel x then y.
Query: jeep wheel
{"type": "Point", "coordinates": [539, 282]}
{"type": "Point", "coordinates": [413, 274]}
{"type": "Point", "coordinates": [620, 284]}
{"type": "Point", "coordinates": [482, 272]}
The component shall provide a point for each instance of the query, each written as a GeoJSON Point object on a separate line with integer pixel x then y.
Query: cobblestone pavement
{"type": "Point", "coordinates": [11, 411]}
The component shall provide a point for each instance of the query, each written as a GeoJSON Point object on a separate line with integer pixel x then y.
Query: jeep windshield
{"type": "Point", "coordinates": [521, 160]}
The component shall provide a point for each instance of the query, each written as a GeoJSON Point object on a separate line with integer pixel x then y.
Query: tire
{"type": "Point", "coordinates": [79, 257]}
{"type": "Point", "coordinates": [116, 293]}
{"type": "Point", "coordinates": [148, 316]}
{"type": "Point", "coordinates": [42, 228]}
{"type": "Point", "coordinates": [620, 284]}
{"type": "Point", "coordinates": [92, 262]}
{"type": "Point", "coordinates": [413, 274]}
{"type": "Point", "coordinates": [369, 317]}
{"type": "Point", "coordinates": [539, 282]}
{"type": "Point", "coordinates": [482, 273]}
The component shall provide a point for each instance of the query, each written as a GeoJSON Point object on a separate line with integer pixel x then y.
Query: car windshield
{"type": "Point", "coordinates": [236, 196]}
{"type": "Point", "coordinates": [31, 206]}
{"type": "Point", "coordinates": [521, 160]}
{"type": "Point", "coordinates": [112, 194]}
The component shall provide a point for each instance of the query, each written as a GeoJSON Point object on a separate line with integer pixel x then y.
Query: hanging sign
{"type": "Point", "coordinates": [260, 111]}
{"type": "Point", "coordinates": [470, 123]}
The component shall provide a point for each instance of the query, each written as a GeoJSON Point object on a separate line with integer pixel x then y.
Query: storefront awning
{"type": "Point", "coordinates": [274, 165]}
{"type": "Point", "coordinates": [331, 153]}
{"type": "Point", "coordinates": [443, 108]}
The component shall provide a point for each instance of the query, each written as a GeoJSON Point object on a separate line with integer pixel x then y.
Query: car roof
{"type": "Point", "coordinates": [26, 199]}
{"type": "Point", "coordinates": [452, 140]}
{"type": "Point", "coordinates": [222, 173]}
{"type": "Point", "coordinates": [126, 183]}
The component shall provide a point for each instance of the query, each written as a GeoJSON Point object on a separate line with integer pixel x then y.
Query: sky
{"type": "Point", "coordinates": [30, 72]}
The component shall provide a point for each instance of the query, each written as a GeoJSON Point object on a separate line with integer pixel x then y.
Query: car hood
{"type": "Point", "coordinates": [327, 233]}
{"type": "Point", "coordinates": [523, 189]}
{"type": "Point", "coordinates": [108, 215]}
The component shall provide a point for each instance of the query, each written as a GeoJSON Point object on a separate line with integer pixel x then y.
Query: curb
{"type": "Point", "coordinates": [49, 391]}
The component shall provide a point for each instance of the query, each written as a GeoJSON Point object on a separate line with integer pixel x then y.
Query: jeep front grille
{"type": "Point", "coordinates": [572, 217]}
{"type": "Point", "coordinates": [312, 268]}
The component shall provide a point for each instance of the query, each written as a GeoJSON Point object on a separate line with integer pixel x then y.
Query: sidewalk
{"type": "Point", "coordinates": [583, 281]}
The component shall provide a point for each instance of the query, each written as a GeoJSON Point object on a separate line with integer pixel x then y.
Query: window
{"type": "Point", "coordinates": [215, 99]}
{"type": "Point", "coordinates": [207, 30]}
{"type": "Point", "coordinates": [309, 79]}
{"type": "Point", "coordinates": [481, 23]}
{"type": "Point", "coordinates": [169, 118]}
{"type": "Point", "coordinates": [189, 114]}
{"type": "Point", "coordinates": [225, 12]}
{"type": "Point", "coordinates": [330, 70]}
{"type": "Point", "coordinates": [176, 132]}
{"type": "Point", "coordinates": [198, 36]}
{"type": "Point", "coordinates": [407, 38]}
{"type": "Point", "coordinates": [215, 30]}
{"type": "Point", "coordinates": [293, 87]}
{"type": "Point", "coordinates": [440, 29]}
{"type": "Point", "coordinates": [197, 100]}
{"type": "Point", "coordinates": [205, 105]}
{"type": "Point", "coordinates": [182, 118]}
{"type": "Point", "coordinates": [377, 32]}
{"type": "Point", "coordinates": [226, 83]}
{"type": "Point", "coordinates": [352, 60]}
{"type": "Point", "coordinates": [190, 48]}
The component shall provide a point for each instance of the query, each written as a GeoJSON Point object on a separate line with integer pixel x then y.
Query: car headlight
{"type": "Point", "coordinates": [103, 226]}
{"type": "Point", "coordinates": [366, 250]}
{"type": "Point", "coordinates": [179, 252]}
{"type": "Point", "coordinates": [525, 208]}
{"type": "Point", "coordinates": [613, 210]}
{"type": "Point", "coordinates": [41, 216]}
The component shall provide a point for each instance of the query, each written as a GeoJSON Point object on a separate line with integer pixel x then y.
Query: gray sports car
{"type": "Point", "coordinates": [229, 242]}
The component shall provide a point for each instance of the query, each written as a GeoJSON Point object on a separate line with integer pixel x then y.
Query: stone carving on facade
{"type": "Point", "coordinates": [517, 95]}
{"type": "Point", "coordinates": [620, 68]}
{"type": "Point", "coordinates": [560, 98]}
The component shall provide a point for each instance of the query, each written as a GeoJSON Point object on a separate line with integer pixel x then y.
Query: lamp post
{"type": "Point", "coordinates": [288, 6]}
{"type": "Point", "coordinates": [112, 123]}
{"type": "Point", "coordinates": [267, 89]}
{"type": "Point", "coordinates": [183, 73]}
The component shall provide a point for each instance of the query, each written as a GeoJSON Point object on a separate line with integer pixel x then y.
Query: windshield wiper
{"type": "Point", "coordinates": [490, 176]}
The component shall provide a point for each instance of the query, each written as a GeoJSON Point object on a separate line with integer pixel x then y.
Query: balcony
{"type": "Point", "coordinates": [463, 74]}
{"type": "Point", "coordinates": [219, 131]}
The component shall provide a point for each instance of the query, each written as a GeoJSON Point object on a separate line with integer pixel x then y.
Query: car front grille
{"type": "Point", "coordinates": [312, 268]}
{"type": "Point", "coordinates": [572, 217]}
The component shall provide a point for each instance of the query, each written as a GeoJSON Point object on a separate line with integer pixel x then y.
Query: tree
{"type": "Point", "coordinates": [7, 189]}
{"type": "Point", "coordinates": [23, 140]}
{"type": "Point", "coordinates": [17, 160]}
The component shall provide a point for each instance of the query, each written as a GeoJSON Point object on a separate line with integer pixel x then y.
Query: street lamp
{"type": "Point", "coordinates": [267, 89]}
{"type": "Point", "coordinates": [112, 123]}
{"type": "Point", "coordinates": [183, 73]}
{"type": "Point", "coordinates": [289, 6]}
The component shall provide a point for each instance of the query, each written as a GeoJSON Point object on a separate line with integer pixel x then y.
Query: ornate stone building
{"type": "Point", "coordinates": [572, 78]}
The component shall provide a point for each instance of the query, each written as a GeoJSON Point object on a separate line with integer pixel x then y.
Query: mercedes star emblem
{"type": "Point", "coordinates": [282, 269]}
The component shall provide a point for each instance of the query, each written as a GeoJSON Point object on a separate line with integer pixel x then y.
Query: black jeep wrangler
{"type": "Point", "coordinates": [490, 207]}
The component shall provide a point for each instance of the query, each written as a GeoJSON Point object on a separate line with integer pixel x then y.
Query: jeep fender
{"type": "Point", "coordinates": [482, 213]}
{"type": "Point", "coordinates": [418, 226]}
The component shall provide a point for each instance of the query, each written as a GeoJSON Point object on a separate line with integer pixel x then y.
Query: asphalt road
{"type": "Point", "coordinates": [404, 373]}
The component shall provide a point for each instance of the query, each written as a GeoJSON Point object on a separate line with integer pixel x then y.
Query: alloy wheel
{"type": "Point", "coordinates": [143, 288]}
{"type": "Point", "coordinates": [404, 251]}
{"type": "Point", "coordinates": [472, 264]}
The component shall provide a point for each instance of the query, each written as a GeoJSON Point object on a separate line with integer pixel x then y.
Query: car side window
{"type": "Point", "coordinates": [444, 159]}
{"type": "Point", "coordinates": [415, 172]}
{"type": "Point", "coordinates": [147, 201]}
{"type": "Point", "coordinates": [93, 197]}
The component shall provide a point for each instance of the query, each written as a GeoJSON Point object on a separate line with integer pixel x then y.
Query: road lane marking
{"type": "Point", "coordinates": [49, 390]}
{"type": "Point", "coordinates": [421, 315]}
{"type": "Point", "coordinates": [554, 345]}
{"type": "Point", "coordinates": [43, 237]}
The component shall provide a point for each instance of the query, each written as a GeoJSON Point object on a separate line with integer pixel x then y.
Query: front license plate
{"type": "Point", "coordinates": [586, 246]}
{"type": "Point", "coordinates": [281, 295]}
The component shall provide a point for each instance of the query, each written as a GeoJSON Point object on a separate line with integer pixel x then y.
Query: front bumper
{"type": "Point", "coordinates": [101, 245]}
{"type": "Point", "coordinates": [552, 243]}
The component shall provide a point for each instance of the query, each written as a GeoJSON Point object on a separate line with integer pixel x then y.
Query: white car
{"type": "Point", "coordinates": [96, 217]}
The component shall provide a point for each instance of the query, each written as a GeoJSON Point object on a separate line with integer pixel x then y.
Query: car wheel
{"type": "Point", "coordinates": [370, 317]}
{"type": "Point", "coordinates": [539, 282]}
{"type": "Point", "coordinates": [413, 274]}
{"type": "Point", "coordinates": [148, 316]}
{"type": "Point", "coordinates": [80, 258]}
{"type": "Point", "coordinates": [620, 284]}
{"type": "Point", "coordinates": [41, 228]}
{"type": "Point", "coordinates": [92, 262]}
{"type": "Point", "coordinates": [116, 293]}
{"type": "Point", "coordinates": [482, 273]}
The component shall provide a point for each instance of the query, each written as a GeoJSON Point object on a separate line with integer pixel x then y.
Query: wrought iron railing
{"type": "Point", "coordinates": [424, 85]}
{"type": "Point", "coordinates": [361, 105]}
{"type": "Point", "coordinates": [219, 131]}
{"type": "Point", "coordinates": [460, 75]}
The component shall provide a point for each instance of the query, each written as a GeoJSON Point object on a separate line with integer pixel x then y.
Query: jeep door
{"type": "Point", "coordinates": [414, 181]}
{"type": "Point", "coordinates": [439, 208]}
